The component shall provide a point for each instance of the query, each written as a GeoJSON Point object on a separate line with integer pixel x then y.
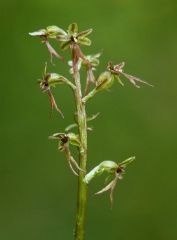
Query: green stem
{"type": "Point", "coordinates": [82, 188]}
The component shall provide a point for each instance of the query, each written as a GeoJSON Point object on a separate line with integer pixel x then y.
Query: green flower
{"type": "Point", "coordinates": [51, 80]}
{"type": "Point", "coordinates": [113, 169]}
{"type": "Point", "coordinates": [45, 35]}
{"type": "Point", "coordinates": [64, 140]}
{"type": "Point", "coordinates": [117, 70]}
{"type": "Point", "coordinates": [73, 36]}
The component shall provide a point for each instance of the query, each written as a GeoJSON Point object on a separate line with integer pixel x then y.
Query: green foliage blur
{"type": "Point", "coordinates": [37, 188]}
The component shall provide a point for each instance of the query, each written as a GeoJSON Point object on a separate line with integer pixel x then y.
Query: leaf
{"type": "Point", "coordinates": [73, 28]}
{"type": "Point", "coordinates": [84, 41]}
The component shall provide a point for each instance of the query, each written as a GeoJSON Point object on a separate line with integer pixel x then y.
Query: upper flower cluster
{"type": "Point", "coordinates": [67, 38]}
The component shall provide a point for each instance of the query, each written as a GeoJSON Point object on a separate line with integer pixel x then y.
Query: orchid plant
{"type": "Point", "coordinates": [72, 40]}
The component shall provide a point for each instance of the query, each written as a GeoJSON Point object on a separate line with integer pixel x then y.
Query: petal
{"type": "Point", "coordinates": [134, 80]}
{"type": "Point", "coordinates": [105, 189]}
{"type": "Point", "coordinates": [72, 28]}
{"type": "Point", "coordinates": [62, 38]}
{"type": "Point", "coordinates": [84, 41]}
{"type": "Point", "coordinates": [52, 51]}
{"type": "Point", "coordinates": [41, 32]}
{"type": "Point", "coordinates": [85, 33]}
{"type": "Point", "coordinates": [54, 30]}
{"type": "Point", "coordinates": [127, 161]}
{"type": "Point", "coordinates": [65, 45]}
{"type": "Point", "coordinates": [53, 103]}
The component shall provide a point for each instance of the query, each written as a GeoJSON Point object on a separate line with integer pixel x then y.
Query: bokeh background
{"type": "Point", "coordinates": [37, 190]}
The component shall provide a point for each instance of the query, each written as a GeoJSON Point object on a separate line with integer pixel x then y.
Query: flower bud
{"type": "Point", "coordinates": [104, 81]}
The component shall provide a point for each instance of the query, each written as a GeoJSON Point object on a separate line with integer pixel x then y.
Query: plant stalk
{"type": "Point", "coordinates": [82, 188]}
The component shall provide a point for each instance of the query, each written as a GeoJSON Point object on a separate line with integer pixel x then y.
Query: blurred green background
{"type": "Point", "coordinates": [37, 189]}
